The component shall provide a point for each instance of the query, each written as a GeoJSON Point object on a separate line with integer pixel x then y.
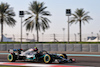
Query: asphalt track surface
{"type": "Point", "coordinates": [81, 61]}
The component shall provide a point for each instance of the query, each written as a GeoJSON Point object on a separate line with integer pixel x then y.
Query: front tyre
{"type": "Point", "coordinates": [47, 59]}
{"type": "Point", "coordinates": [11, 58]}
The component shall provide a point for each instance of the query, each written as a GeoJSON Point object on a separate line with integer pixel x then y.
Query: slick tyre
{"type": "Point", "coordinates": [63, 55]}
{"type": "Point", "coordinates": [11, 58]}
{"type": "Point", "coordinates": [47, 59]}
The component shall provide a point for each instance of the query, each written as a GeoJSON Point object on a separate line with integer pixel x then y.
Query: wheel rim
{"type": "Point", "coordinates": [10, 57]}
{"type": "Point", "coordinates": [47, 58]}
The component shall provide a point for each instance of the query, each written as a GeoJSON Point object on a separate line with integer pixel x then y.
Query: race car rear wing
{"type": "Point", "coordinates": [19, 51]}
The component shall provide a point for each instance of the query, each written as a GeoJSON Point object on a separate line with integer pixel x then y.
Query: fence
{"type": "Point", "coordinates": [53, 37]}
{"type": "Point", "coordinates": [54, 47]}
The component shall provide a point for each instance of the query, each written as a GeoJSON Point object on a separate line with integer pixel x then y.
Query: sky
{"type": "Point", "coordinates": [59, 19]}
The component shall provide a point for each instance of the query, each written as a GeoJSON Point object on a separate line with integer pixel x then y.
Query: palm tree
{"type": "Point", "coordinates": [37, 19]}
{"type": "Point", "coordinates": [80, 16]}
{"type": "Point", "coordinates": [6, 17]}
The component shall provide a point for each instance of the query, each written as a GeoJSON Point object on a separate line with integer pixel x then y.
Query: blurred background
{"type": "Point", "coordinates": [54, 37]}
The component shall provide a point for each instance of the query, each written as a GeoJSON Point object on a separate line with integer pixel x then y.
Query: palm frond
{"type": "Point", "coordinates": [10, 21]}
{"type": "Point", "coordinates": [7, 14]}
{"type": "Point", "coordinates": [85, 14]}
{"type": "Point", "coordinates": [28, 13]}
{"type": "Point", "coordinates": [30, 26]}
{"type": "Point", "coordinates": [46, 13]}
{"type": "Point", "coordinates": [86, 18]}
{"type": "Point", "coordinates": [80, 15]}
{"type": "Point", "coordinates": [40, 22]}
{"type": "Point", "coordinates": [46, 19]}
{"type": "Point", "coordinates": [28, 18]}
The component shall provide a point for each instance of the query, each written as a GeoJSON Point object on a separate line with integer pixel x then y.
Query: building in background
{"type": "Point", "coordinates": [5, 39]}
{"type": "Point", "coordinates": [93, 39]}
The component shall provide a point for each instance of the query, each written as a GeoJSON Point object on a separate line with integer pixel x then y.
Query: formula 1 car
{"type": "Point", "coordinates": [42, 56]}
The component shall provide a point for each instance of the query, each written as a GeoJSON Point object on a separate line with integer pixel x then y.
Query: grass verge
{"type": "Point", "coordinates": [50, 42]}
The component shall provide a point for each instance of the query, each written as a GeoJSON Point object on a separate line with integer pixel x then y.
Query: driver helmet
{"type": "Point", "coordinates": [35, 47]}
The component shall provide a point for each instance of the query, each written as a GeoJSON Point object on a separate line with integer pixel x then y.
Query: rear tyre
{"type": "Point", "coordinates": [63, 55]}
{"type": "Point", "coordinates": [47, 59]}
{"type": "Point", "coordinates": [11, 58]}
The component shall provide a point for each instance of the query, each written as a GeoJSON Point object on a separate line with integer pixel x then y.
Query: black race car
{"type": "Point", "coordinates": [42, 56]}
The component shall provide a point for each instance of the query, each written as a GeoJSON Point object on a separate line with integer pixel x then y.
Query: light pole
{"type": "Point", "coordinates": [21, 15]}
{"type": "Point", "coordinates": [27, 35]}
{"type": "Point", "coordinates": [14, 37]}
{"type": "Point", "coordinates": [33, 37]}
{"type": "Point", "coordinates": [91, 35]}
{"type": "Point", "coordinates": [98, 36]}
{"type": "Point", "coordinates": [54, 37]}
{"type": "Point", "coordinates": [21, 30]}
{"type": "Point", "coordinates": [68, 13]}
{"type": "Point", "coordinates": [79, 35]}
{"type": "Point", "coordinates": [63, 34]}
{"type": "Point", "coordinates": [68, 29]}
{"type": "Point", "coordinates": [42, 36]}
{"type": "Point", "coordinates": [75, 37]}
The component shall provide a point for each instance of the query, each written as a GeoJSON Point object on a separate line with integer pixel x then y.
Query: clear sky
{"type": "Point", "coordinates": [59, 19]}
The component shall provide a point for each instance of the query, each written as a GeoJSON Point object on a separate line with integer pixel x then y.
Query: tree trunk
{"type": "Point", "coordinates": [37, 28]}
{"type": "Point", "coordinates": [1, 29]}
{"type": "Point", "coordinates": [37, 36]}
{"type": "Point", "coordinates": [80, 31]}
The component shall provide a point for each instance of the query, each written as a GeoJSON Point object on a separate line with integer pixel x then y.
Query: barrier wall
{"type": "Point", "coordinates": [46, 47]}
{"type": "Point", "coordinates": [70, 47]}
{"type": "Point", "coordinates": [85, 47]}
{"type": "Point", "coordinates": [10, 46]}
{"type": "Point", "coordinates": [39, 46]}
{"type": "Point", "coordinates": [98, 47]}
{"type": "Point", "coordinates": [94, 48]}
{"type": "Point", "coordinates": [24, 46]}
{"type": "Point", "coordinates": [61, 47]}
{"type": "Point", "coordinates": [31, 46]}
{"type": "Point", "coordinates": [78, 47]}
{"type": "Point", "coordinates": [3, 47]}
{"type": "Point", "coordinates": [54, 47]}
{"type": "Point", "coordinates": [17, 46]}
